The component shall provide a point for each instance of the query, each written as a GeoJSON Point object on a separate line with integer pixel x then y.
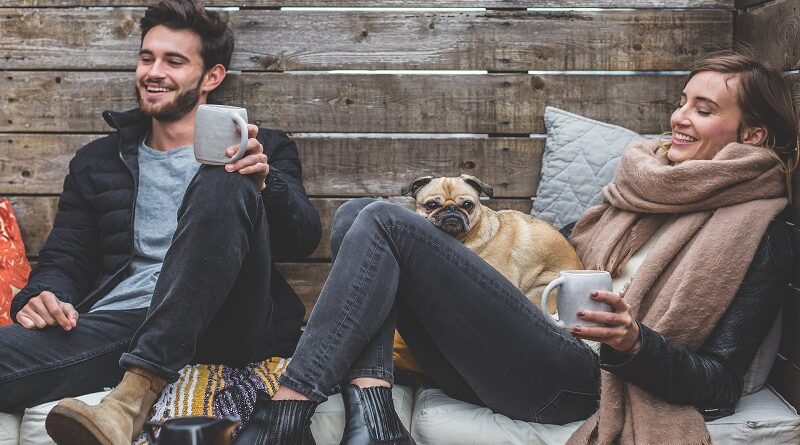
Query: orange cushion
{"type": "Point", "coordinates": [14, 266]}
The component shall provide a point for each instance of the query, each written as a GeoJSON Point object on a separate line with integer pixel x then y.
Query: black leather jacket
{"type": "Point", "coordinates": [711, 377]}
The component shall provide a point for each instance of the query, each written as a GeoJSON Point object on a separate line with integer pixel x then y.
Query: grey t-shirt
{"type": "Point", "coordinates": [163, 179]}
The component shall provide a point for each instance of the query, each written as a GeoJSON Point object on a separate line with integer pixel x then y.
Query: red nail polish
{"type": "Point", "coordinates": [594, 294]}
{"type": "Point", "coordinates": [581, 313]}
{"type": "Point", "coordinates": [576, 329]}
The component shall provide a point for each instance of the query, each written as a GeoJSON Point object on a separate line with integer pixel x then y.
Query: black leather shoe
{"type": "Point", "coordinates": [370, 418]}
{"type": "Point", "coordinates": [278, 422]}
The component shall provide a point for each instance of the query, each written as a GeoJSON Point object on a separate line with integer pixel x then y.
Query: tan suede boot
{"type": "Point", "coordinates": [116, 420]}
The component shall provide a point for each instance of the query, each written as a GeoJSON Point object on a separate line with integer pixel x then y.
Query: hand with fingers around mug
{"type": "Point", "coordinates": [619, 328]}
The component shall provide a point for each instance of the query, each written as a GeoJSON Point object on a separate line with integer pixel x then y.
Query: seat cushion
{"type": "Point", "coordinates": [31, 430]}
{"type": "Point", "coordinates": [9, 428]}
{"type": "Point", "coordinates": [327, 423]}
{"type": "Point", "coordinates": [761, 418]}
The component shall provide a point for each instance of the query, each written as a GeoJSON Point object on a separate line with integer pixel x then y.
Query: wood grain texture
{"type": "Point", "coordinates": [700, 4]}
{"type": "Point", "coordinates": [306, 279]}
{"type": "Point", "coordinates": [742, 4]}
{"type": "Point", "coordinates": [305, 102]}
{"type": "Point", "coordinates": [36, 214]}
{"type": "Point", "coordinates": [288, 40]}
{"type": "Point", "coordinates": [37, 163]}
{"type": "Point", "coordinates": [773, 33]}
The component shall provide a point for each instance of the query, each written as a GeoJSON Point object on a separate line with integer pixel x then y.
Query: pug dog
{"type": "Point", "coordinates": [527, 251]}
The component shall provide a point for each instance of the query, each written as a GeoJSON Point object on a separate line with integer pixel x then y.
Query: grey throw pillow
{"type": "Point", "coordinates": [756, 376]}
{"type": "Point", "coordinates": [580, 157]}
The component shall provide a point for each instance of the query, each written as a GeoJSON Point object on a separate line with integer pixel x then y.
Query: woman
{"type": "Point", "coordinates": [697, 214]}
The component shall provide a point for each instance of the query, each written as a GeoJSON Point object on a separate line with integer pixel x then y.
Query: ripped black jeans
{"type": "Point", "coordinates": [474, 332]}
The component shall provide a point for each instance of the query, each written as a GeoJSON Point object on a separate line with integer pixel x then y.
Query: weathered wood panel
{"type": "Point", "coordinates": [514, 4]}
{"type": "Point", "coordinates": [37, 163]}
{"type": "Point", "coordinates": [279, 40]}
{"type": "Point", "coordinates": [308, 102]}
{"type": "Point", "coordinates": [742, 4]}
{"type": "Point", "coordinates": [773, 32]}
{"type": "Point", "coordinates": [36, 214]}
{"type": "Point", "coordinates": [306, 280]}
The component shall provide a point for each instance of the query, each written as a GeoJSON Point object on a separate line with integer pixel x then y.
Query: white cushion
{"type": "Point", "coordinates": [327, 423]}
{"type": "Point", "coordinates": [756, 376]}
{"type": "Point", "coordinates": [761, 418]}
{"type": "Point", "coordinates": [32, 431]}
{"type": "Point", "coordinates": [9, 428]}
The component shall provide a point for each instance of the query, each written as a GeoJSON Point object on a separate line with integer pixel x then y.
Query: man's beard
{"type": "Point", "coordinates": [173, 110]}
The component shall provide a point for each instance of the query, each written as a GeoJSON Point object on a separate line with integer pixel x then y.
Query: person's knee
{"type": "Point", "coordinates": [213, 181]}
{"type": "Point", "coordinates": [386, 208]}
{"type": "Point", "coordinates": [386, 214]}
{"type": "Point", "coordinates": [343, 220]}
{"type": "Point", "coordinates": [215, 191]}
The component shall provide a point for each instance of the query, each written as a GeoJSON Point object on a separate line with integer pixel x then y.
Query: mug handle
{"type": "Point", "coordinates": [243, 143]}
{"type": "Point", "coordinates": [545, 296]}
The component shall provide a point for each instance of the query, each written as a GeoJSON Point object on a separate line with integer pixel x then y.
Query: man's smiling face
{"type": "Point", "coordinates": [169, 74]}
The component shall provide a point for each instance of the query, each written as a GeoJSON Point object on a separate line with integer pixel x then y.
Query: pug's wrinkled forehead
{"type": "Point", "coordinates": [420, 183]}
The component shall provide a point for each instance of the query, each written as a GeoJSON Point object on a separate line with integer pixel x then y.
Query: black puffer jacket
{"type": "Point", "coordinates": [711, 378]}
{"type": "Point", "coordinates": [91, 244]}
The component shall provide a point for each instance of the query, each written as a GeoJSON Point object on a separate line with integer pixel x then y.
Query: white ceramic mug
{"type": "Point", "coordinates": [574, 293]}
{"type": "Point", "coordinates": [215, 131]}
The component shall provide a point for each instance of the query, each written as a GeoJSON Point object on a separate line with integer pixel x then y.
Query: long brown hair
{"type": "Point", "coordinates": [765, 99]}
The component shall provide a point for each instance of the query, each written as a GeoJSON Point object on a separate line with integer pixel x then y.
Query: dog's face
{"type": "Point", "coordinates": [451, 204]}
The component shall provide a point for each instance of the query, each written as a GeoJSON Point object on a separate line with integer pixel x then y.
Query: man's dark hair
{"type": "Point", "coordinates": [216, 38]}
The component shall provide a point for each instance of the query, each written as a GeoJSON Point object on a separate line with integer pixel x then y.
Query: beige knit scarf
{"type": "Point", "coordinates": [716, 212]}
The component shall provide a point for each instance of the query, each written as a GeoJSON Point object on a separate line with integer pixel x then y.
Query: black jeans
{"type": "Point", "coordinates": [474, 332]}
{"type": "Point", "coordinates": [211, 304]}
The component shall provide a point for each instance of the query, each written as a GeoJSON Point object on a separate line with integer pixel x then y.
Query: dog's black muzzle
{"type": "Point", "coordinates": [451, 220]}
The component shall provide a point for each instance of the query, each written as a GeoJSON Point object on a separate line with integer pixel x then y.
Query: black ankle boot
{"type": "Point", "coordinates": [278, 422]}
{"type": "Point", "coordinates": [371, 418]}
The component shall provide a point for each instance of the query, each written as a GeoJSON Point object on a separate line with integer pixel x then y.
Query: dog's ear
{"type": "Point", "coordinates": [415, 185]}
{"type": "Point", "coordinates": [478, 185]}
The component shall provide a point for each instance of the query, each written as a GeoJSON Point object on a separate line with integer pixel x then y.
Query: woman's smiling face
{"type": "Point", "coordinates": [708, 117]}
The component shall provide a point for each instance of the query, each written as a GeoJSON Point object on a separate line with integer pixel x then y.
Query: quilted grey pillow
{"type": "Point", "coordinates": [580, 157]}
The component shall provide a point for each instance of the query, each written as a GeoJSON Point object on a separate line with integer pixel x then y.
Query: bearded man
{"type": "Point", "coordinates": [125, 290]}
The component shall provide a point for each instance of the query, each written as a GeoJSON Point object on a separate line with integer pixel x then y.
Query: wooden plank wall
{"type": "Point", "coordinates": [772, 30]}
{"type": "Point", "coordinates": [374, 97]}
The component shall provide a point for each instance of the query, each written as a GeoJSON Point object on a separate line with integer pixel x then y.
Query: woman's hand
{"type": "Point", "coordinates": [254, 163]}
{"type": "Point", "coordinates": [621, 331]}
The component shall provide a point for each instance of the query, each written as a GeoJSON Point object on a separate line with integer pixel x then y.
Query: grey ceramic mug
{"type": "Point", "coordinates": [574, 290]}
{"type": "Point", "coordinates": [215, 131]}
